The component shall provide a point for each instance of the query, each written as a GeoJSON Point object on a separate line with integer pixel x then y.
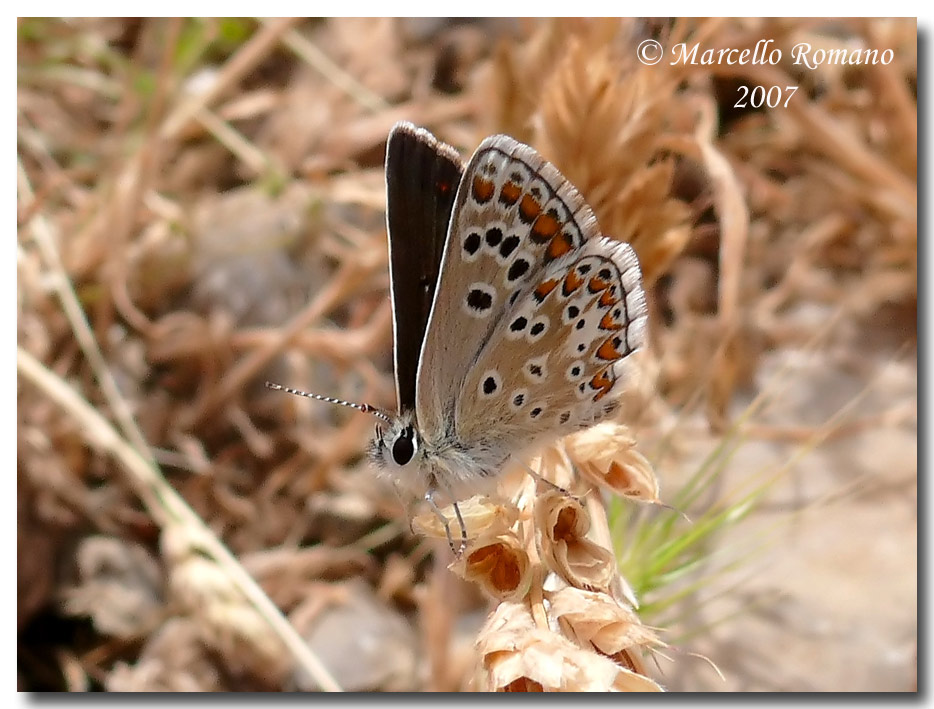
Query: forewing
{"type": "Point", "coordinates": [551, 365]}
{"type": "Point", "coordinates": [514, 215]}
{"type": "Point", "coordinates": [422, 175]}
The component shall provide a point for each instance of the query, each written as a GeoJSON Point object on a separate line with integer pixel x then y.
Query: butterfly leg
{"type": "Point", "coordinates": [460, 521]}
{"type": "Point", "coordinates": [554, 486]}
{"type": "Point", "coordinates": [430, 499]}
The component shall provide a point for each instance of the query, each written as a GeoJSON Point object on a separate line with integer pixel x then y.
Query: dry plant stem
{"type": "Point", "coordinates": [772, 387]}
{"type": "Point", "coordinates": [823, 432]}
{"type": "Point", "coordinates": [897, 416]}
{"type": "Point", "coordinates": [819, 435]}
{"type": "Point", "coordinates": [136, 181]}
{"type": "Point", "coordinates": [775, 385]}
{"type": "Point", "coordinates": [319, 61]}
{"type": "Point", "coordinates": [437, 620]}
{"type": "Point", "coordinates": [349, 277]}
{"type": "Point", "coordinates": [338, 345]}
{"type": "Point", "coordinates": [899, 100]}
{"type": "Point", "coordinates": [839, 145]}
{"type": "Point", "coordinates": [843, 147]}
{"type": "Point", "coordinates": [255, 159]}
{"type": "Point", "coordinates": [253, 52]}
{"type": "Point", "coordinates": [167, 508]}
{"type": "Point", "coordinates": [44, 239]}
{"type": "Point", "coordinates": [812, 238]}
{"type": "Point", "coordinates": [732, 215]}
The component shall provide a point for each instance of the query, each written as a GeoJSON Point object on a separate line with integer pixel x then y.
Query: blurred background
{"type": "Point", "coordinates": [201, 208]}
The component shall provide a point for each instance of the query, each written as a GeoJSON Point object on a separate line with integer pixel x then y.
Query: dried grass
{"type": "Point", "coordinates": [200, 207]}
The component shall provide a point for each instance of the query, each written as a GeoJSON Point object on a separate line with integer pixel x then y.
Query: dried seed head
{"type": "Point", "coordinates": [174, 658]}
{"type": "Point", "coordinates": [606, 454]}
{"type": "Point", "coordinates": [515, 655]}
{"type": "Point", "coordinates": [119, 586]}
{"type": "Point", "coordinates": [226, 620]}
{"type": "Point", "coordinates": [597, 619]}
{"type": "Point", "coordinates": [485, 520]}
{"type": "Point", "coordinates": [501, 567]}
{"type": "Point", "coordinates": [563, 523]}
{"type": "Point", "coordinates": [555, 466]}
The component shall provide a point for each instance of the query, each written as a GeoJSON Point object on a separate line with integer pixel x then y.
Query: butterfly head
{"type": "Point", "coordinates": [397, 448]}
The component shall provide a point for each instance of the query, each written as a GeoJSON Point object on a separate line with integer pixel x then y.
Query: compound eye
{"type": "Point", "coordinates": [403, 448]}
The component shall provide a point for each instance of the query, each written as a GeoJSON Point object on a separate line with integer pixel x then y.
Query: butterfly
{"type": "Point", "coordinates": [512, 313]}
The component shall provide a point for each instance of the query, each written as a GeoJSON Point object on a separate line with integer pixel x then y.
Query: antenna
{"type": "Point", "coordinates": [365, 408]}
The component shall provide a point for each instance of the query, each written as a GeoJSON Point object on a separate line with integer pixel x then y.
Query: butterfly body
{"type": "Point", "coordinates": [459, 467]}
{"type": "Point", "coordinates": [513, 316]}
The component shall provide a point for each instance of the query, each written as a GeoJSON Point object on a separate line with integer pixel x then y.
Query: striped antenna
{"type": "Point", "coordinates": [365, 408]}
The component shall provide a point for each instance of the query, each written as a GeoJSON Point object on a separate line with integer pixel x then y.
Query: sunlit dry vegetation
{"type": "Point", "coordinates": [201, 207]}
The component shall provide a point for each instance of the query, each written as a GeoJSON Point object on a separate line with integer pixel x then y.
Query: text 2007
{"type": "Point", "coordinates": [759, 96]}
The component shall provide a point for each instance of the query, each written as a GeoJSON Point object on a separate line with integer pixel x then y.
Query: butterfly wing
{"type": "Point", "coordinates": [514, 215]}
{"type": "Point", "coordinates": [422, 175]}
{"type": "Point", "coordinates": [552, 363]}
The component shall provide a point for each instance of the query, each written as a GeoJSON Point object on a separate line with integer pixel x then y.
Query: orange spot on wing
{"type": "Point", "coordinates": [597, 284]}
{"type": "Point", "coordinates": [545, 227]}
{"type": "Point", "coordinates": [608, 351]}
{"type": "Point", "coordinates": [544, 288]}
{"type": "Point", "coordinates": [529, 208]}
{"type": "Point", "coordinates": [509, 194]}
{"type": "Point", "coordinates": [558, 246]}
{"type": "Point", "coordinates": [607, 300]}
{"type": "Point", "coordinates": [608, 323]}
{"type": "Point", "coordinates": [603, 383]}
{"type": "Point", "coordinates": [571, 283]}
{"type": "Point", "coordinates": [482, 189]}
